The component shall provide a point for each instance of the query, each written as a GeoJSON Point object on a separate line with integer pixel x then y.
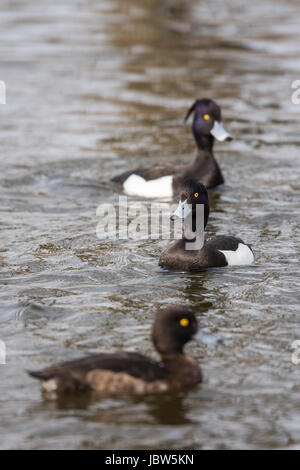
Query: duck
{"type": "Point", "coordinates": [164, 180]}
{"type": "Point", "coordinates": [130, 372]}
{"type": "Point", "coordinates": [204, 252]}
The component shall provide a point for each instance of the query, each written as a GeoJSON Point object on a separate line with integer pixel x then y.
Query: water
{"type": "Point", "coordinates": [92, 89]}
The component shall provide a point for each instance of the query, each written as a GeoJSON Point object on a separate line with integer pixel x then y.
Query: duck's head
{"type": "Point", "coordinates": [207, 123]}
{"type": "Point", "coordinates": [174, 327]}
{"type": "Point", "coordinates": [192, 194]}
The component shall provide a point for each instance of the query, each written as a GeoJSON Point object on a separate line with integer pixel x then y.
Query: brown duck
{"type": "Point", "coordinates": [128, 372]}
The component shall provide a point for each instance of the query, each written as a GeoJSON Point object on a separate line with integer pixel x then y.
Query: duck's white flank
{"type": "Point", "coordinates": [243, 255]}
{"type": "Point", "coordinates": [135, 185]}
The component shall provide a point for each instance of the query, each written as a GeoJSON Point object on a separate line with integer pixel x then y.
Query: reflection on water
{"type": "Point", "coordinates": [93, 88]}
{"type": "Point", "coordinates": [165, 408]}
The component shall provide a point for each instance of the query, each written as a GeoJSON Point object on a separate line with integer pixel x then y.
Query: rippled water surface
{"type": "Point", "coordinates": [93, 87]}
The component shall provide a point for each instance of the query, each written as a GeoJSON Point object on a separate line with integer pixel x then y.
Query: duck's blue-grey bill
{"type": "Point", "coordinates": [219, 132]}
{"type": "Point", "coordinates": [182, 211]}
{"type": "Point", "coordinates": [207, 338]}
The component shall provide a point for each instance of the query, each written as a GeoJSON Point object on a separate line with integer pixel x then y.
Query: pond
{"type": "Point", "coordinates": [94, 88]}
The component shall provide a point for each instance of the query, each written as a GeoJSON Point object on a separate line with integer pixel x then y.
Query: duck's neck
{"type": "Point", "coordinates": [204, 143]}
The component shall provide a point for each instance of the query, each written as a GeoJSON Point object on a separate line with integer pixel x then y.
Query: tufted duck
{"type": "Point", "coordinates": [222, 250]}
{"type": "Point", "coordinates": [165, 179]}
{"type": "Point", "coordinates": [128, 372]}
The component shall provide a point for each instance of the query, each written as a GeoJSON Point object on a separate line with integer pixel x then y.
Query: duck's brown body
{"type": "Point", "coordinates": [101, 371]}
{"type": "Point", "coordinates": [120, 373]}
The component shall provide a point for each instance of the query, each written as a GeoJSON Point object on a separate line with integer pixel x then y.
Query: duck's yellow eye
{"type": "Point", "coordinates": [184, 322]}
{"type": "Point", "coordinates": [196, 194]}
{"type": "Point", "coordinates": [206, 117]}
